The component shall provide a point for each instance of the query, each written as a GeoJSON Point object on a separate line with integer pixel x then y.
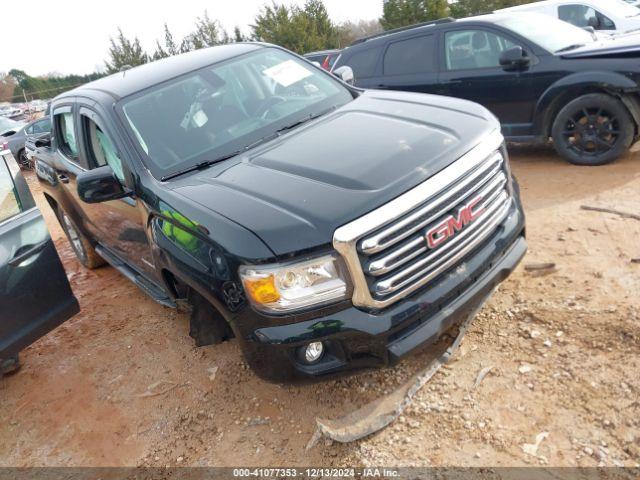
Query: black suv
{"type": "Point", "coordinates": [540, 76]}
{"type": "Point", "coordinates": [325, 227]}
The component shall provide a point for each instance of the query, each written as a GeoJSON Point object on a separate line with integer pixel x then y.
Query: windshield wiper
{"type": "Point", "coordinates": [276, 134]}
{"type": "Point", "coordinates": [306, 119]}
{"type": "Point", "coordinates": [201, 165]}
{"type": "Point", "coordinates": [570, 47]}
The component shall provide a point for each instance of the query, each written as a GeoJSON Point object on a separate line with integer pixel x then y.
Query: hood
{"type": "Point", "coordinates": [295, 191]}
{"type": "Point", "coordinates": [617, 46]}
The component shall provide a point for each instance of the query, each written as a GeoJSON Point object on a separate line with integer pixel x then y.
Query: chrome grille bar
{"type": "Point", "coordinates": [384, 264]}
{"type": "Point", "coordinates": [382, 240]}
{"type": "Point", "coordinates": [473, 235]}
{"type": "Point", "coordinates": [394, 232]}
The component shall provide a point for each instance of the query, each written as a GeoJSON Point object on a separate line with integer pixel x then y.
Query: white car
{"type": "Point", "coordinates": [38, 106]}
{"type": "Point", "coordinates": [9, 111]}
{"type": "Point", "coordinates": [606, 16]}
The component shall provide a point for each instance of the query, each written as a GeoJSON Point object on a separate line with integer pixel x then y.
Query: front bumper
{"type": "Point", "coordinates": [356, 338]}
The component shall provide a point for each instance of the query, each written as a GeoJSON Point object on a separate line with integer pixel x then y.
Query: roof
{"type": "Point", "coordinates": [434, 24]}
{"type": "Point", "coordinates": [546, 3]}
{"type": "Point", "coordinates": [131, 81]}
{"type": "Point", "coordinates": [403, 29]}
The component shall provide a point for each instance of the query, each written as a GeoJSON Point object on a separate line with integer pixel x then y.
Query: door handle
{"type": "Point", "coordinates": [30, 251]}
{"type": "Point", "coordinates": [63, 178]}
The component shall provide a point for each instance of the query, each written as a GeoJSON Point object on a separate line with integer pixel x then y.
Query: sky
{"type": "Point", "coordinates": [72, 36]}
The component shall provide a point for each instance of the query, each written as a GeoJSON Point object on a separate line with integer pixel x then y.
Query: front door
{"type": "Point", "coordinates": [470, 69]}
{"type": "Point", "coordinates": [35, 296]}
{"type": "Point", "coordinates": [120, 224]}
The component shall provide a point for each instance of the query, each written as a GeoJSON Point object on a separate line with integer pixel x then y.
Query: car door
{"type": "Point", "coordinates": [35, 296]}
{"type": "Point", "coordinates": [470, 69]}
{"type": "Point", "coordinates": [66, 160]}
{"type": "Point", "coordinates": [120, 225]}
{"type": "Point", "coordinates": [409, 64]}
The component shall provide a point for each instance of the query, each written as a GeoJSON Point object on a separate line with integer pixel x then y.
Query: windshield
{"type": "Point", "coordinates": [221, 109]}
{"type": "Point", "coordinates": [548, 32]}
{"type": "Point", "coordinates": [619, 8]}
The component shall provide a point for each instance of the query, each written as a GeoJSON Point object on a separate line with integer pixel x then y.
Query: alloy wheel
{"type": "Point", "coordinates": [74, 238]}
{"type": "Point", "coordinates": [591, 131]}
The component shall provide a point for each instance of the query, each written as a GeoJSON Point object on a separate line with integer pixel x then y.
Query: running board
{"type": "Point", "coordinates": [146, 285]}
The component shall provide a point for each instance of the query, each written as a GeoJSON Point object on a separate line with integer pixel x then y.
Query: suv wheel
{"type": "Point", "coordinates": [81, 246]}
{"type": "Point", "coordinates": [593, 130]}
{"type": "Point", "coordinates": [23, 161]}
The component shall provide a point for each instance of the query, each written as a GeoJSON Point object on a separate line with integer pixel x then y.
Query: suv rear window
{"type": "Point", "coordinates": [364, 63]}
{"type": "Point", "coordinates": [414, 55]}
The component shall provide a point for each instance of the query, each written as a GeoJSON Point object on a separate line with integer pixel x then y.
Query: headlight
{"type": "Point", "coordinates": [284, 287]}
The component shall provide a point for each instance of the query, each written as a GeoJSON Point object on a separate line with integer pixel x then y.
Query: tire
{"type": "Point", "coordinates": [85, 253]}
{"type": "Point", "coordinates": [206, 325]}
{"type": "Point", "coordinates": [23, 161]}
{"type": "Point", "coordinates": [593, 130]}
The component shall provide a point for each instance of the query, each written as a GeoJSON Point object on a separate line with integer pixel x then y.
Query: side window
{"type": "Point", "coordinates": [9, 201]}
{"type": "Point", "coordinates": [584, 16]}
{"type": "Point", "coordinates": [473, 49]}
{"type": "Point", "coordinates": [604, 22]}
{"type": "Point", "coordinates": [65, 134]}
{"type": "Point", "coordinates": [100, 148]}
{"type": "Point", "coordinates": [30, 129]}
{"type": "Point", "coordinates": [364, 63]}
{"type": "Point", "coordinates": [41, 126]}
{"type": "Point", "coordinates": [414, 55]}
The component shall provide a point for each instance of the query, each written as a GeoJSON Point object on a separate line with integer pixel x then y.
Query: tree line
{"type": "Point", "coordinates": [301, 29]}
{"type": "Point", "coordinates": [17, 86]}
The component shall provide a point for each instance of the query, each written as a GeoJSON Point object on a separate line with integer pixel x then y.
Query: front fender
{"type": "Point", "coordinates": [572, 86]}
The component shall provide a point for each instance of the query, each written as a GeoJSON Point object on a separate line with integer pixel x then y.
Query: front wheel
{"type": "Point", "coordinates": [81, 246]}
{"type": "Point", "coordinates": [592, 130]}
{"type": "Point", "coordinates": [23, 161]}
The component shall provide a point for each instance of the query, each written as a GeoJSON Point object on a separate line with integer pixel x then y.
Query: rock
{"type": "Point", "coordinates": [534, 334]}
{"type": "Point", "coordinates": [547, 343]}
{"type": "Point", "coordinates": [532, 448]}
{"type": "Point", "coordinates": [525, 368]}
{"type": "Point", "coordinates": [212, 373]}
{"type": "Point", "coordinates": [588, 450]}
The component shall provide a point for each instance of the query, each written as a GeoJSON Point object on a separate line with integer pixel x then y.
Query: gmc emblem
{"type": "Point", "coordinates": [451, 225]}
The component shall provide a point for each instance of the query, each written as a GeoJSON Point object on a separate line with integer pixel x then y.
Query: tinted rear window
{"type": "Point", "coordinates": [414, 55]}
{"type": "Point", "coordinates": [363, 63]}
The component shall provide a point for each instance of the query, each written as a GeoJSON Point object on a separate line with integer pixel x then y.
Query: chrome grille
{"type": "Point", "coordinates": [387, 252]}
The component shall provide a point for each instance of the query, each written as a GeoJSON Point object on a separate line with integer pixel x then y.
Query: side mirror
{"type": "Point", "coordinates": [594, 22]}
{"type": "Point", "coordinates": [100, 185]}
{"type": "Point", "coordinates": [514, 58]}
{"type": "Point", "coordinates": [345, 73]}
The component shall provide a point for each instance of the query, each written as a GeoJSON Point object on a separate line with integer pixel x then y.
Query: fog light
{"type": "Point", "coordinates": [313, 352]}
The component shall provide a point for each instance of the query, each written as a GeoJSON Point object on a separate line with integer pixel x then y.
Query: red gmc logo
{"type": "Point", "coordinates": [452, 225]}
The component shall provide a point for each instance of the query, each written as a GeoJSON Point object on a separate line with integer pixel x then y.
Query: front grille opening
{"type": "Point", "coordinates": [396, 258]}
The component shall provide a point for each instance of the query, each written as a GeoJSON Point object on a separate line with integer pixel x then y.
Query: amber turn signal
{"type": "Point", "coordinates": [262, 290]}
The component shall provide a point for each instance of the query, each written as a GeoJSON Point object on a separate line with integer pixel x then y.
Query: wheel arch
{"type": "Point", "coordinates": [583, 83]}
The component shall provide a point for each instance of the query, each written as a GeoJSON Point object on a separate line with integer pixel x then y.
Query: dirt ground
{"type": "Point", "coordinates": [122, 384]}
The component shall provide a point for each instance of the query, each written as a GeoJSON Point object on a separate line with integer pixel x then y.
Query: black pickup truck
{"type": "Point", "coordinates": [325, 227]}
